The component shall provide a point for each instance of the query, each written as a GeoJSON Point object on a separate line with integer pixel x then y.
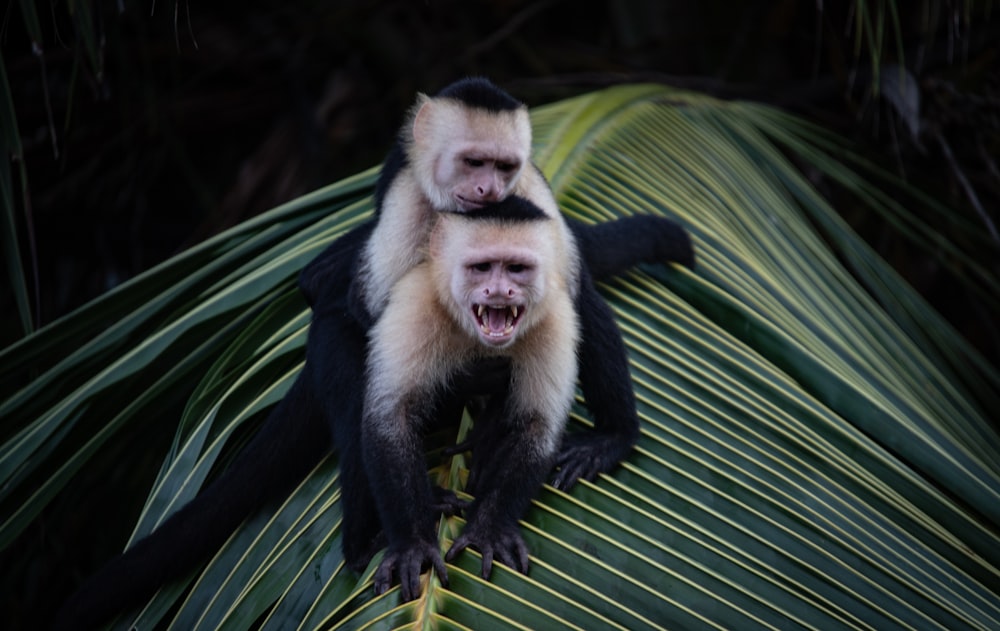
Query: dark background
{"type": "Point", "coordinates": [148, 127]}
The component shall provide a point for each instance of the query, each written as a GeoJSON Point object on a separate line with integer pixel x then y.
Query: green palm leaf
{"type": "Point", "coordinates": [816, 448]}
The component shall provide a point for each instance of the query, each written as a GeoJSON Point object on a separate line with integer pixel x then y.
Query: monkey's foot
{"type": "Point", "coordinates": [504, 544]}
{"type": "Point", "coordinates": [586, 454]}
{"type": "Point", "coordinates": [408, 564]}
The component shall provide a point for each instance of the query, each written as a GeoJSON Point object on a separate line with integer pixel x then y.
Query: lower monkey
{"type": "Point", "coordinates": [500, 281]}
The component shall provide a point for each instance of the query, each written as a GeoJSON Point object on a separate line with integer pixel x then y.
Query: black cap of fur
{"type": "Point", "coordinates": [513, 208]}
{"type": "Point", "coordinates": [480, 93]}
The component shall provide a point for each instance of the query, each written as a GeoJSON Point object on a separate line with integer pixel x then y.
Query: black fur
{"type": "Point", "coordinates": [480, 93]}
{"type": "Point", "coordinates": [511, 209]}
{"type": "Point", "coordinates": [614, 246]}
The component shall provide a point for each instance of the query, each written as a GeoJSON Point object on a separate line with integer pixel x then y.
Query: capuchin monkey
{"type": "Point", "coordinates": [499, 280]}
{"type": "Point", "coordinates": [466, 161]}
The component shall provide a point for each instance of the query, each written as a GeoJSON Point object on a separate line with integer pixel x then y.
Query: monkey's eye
{"type": "Point", "coordinates": [473, 162]}
{"type": "Point", "coordinates": [506, 167]}
{"type": "Point", "coordinates": [517, 268]}
{"type": "Point", "coordinates": [480, 267]}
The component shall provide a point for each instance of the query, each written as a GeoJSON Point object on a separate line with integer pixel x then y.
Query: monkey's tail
{"type": "Point", "coordinates": [612, 247]}
{"type": "Point", "coordinates": [289, 444]}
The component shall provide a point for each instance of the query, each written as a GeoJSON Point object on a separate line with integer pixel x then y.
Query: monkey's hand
{"type": "Point", "coordinates": [446, 502]}
{"type": "Point", "coordinates": [587, 454]}
{"type": "Point", "coordinates": [408, 564]}
{"type": "Point", "coordinates": [502, 543]}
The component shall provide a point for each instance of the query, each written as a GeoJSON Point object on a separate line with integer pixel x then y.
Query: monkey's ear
{"type": "Point", "coordinates": [422, 122]}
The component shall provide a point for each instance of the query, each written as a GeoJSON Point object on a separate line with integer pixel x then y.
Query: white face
{"type": "Point", "coordinates": [495, 278]}
{"type": "Point", "coordinates": [465, 157]}
{"type": "Point", "coordinates": [497, 293]}
{"type": "Point", "coordinates": [476, 174]}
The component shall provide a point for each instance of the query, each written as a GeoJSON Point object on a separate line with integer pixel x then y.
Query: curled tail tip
{"type": "Point", "coordinates": [680, 248]}
{"type": "Point", "coordinates": [687, 258]}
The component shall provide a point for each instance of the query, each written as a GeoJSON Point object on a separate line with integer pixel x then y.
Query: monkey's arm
{"type": "Point", "coordinates": [405, 368]}
{"type": "Point", "coordinates": [607, 390]}
{"type": "Point", "coordinates": [394, 461]}
{"type": "Point", "coordinates": [612, 247]}
{"type": "Point", "coordinates": [507, 471]}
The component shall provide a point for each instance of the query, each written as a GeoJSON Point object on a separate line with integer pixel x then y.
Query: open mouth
{"type": "Point", "coordinates": [497, 324]}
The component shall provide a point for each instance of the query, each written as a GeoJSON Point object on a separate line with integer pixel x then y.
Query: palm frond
{"type": "Point", "coordinates": [816, 449]}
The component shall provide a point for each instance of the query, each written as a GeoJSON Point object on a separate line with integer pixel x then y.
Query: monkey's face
{"type": "Point", "coordinates": [476, 175]}
{"type": "Point", "coordinates": [465, 157]}
{"type": "Point", "coordinates": [497, 293]}
{"type": "Point", "coordinates": [495, 287]}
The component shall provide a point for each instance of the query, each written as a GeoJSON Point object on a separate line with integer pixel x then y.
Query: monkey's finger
{"type": "Point", "coordinates": [513, 552]}
{"type": "Point", "coordinates": [505, 556]}
{"type": "Point", "coordinates": [566, 477]}
{"type": "Point", "coordinates": [383, 576]}
{"type": "Point", "coordinates": [572, 453]}
{"type": "Point", "coordinates": [487, 562]}
{"type": "Point", "coordinates": [522, 555]}
{"type": "Point", "coordinates": [440, 569]}
{"type": "Point", "coordinates": [447, 502]}
{"type": "Point", "coordinates": [409, 578]}
{"type": "Point", "coordinates": [460, 544]}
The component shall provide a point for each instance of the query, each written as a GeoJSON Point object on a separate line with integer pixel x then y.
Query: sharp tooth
{"type": "Point", "coordinates": [514, 309]}
{"type": "Point", "coordinates": [479, 312]}
{"type": "Point", "coordinates": [509, 321]}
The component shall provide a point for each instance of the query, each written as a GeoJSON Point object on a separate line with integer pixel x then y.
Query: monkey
{"type": "Point", "coordinates": [497, 280]}
{"type": "Point", "coordinates": [323, 409]}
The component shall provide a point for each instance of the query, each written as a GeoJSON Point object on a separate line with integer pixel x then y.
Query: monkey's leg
{"type": "Point", "coordinates": [335, 359]}
{"type": "Point", "coordinates": [335, 363]}
{"type": "Point", "coordinates": [607, 390]}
